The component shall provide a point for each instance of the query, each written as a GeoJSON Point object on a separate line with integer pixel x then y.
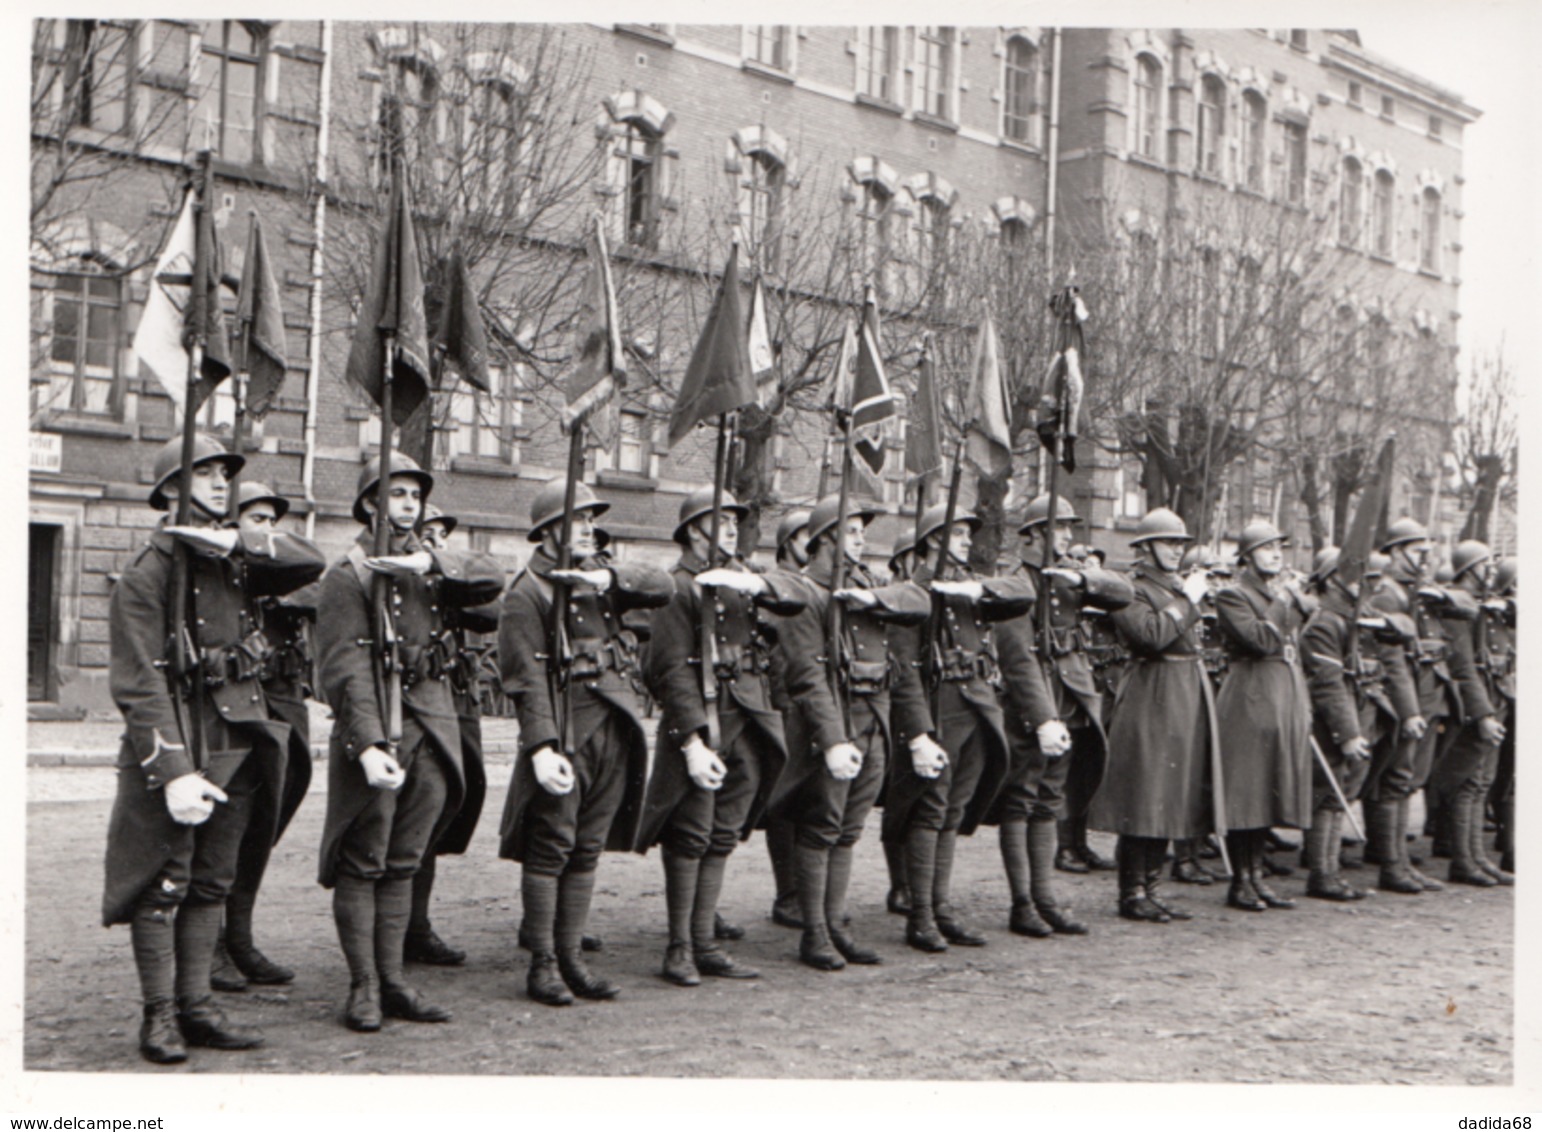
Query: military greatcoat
{"type": "Point", "coordinates": [142, 837]}
{"type": "Point", "coordinates": [745, 634]}
{"type": "Point", "coordinates": [345, 634]}
{"type": "Point", "coordinates": [600, 682]}
{"type": "Point", "coordinates": [463, 665]}
{"type": "Point", "coordinates": [1264, 709]}
{"type": "Point", "coordinates": [1159, 740]}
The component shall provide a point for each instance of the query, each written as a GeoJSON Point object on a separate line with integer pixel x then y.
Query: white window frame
{"type": "Point", "coordinates": [1146, 105]}
{"type": "Point", "coordinates": [885, 81]}
{"type": "Point", "coordinates": [934, 71]}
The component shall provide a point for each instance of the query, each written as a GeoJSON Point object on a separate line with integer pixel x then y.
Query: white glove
{"type": "Point", "coordinates": [702, 764]}
{"type": "Point", "coordinates": [1491, 729]}
{"type": "Point", "coordinates": [741, 580]}
{"type": "Point", "coordinates": [402, 565]}
{"type": "Point", "coordinates": [190, 799]}
{"type": "Point", "coordinates": [974, 591]}
{"type": "Point", "coordinates": [381, 770]}
{"type": "Point", "coordinates": [598, 579]}
{"type": "Point", "coordinates": [927, 756]}
{"type": "Point", "coordinates": [843, 761]}
{"type": "Point", "coordinates": [218, 541]}
{"type": "Point", "coordinates": [1415, 726]}
{"type": "Point", "coordinates": [1073, 576]}
{"type": "Point", "coordinates": [862, 599]}
{"type": "Point", "coordinates": [553, 772]}
{"type": "Point", "coordinates": [1496, 605]}
{"type": "Point", "coordinates": [1356, 748]}
{"type": "Point", "coordinates": [1373, 623]}
{"type": "Point", "coordinates": [1195, 586]}
{"type": "Point", "coordinates": [1054, 739]}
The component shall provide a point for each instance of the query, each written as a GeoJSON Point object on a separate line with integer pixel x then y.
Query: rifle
{"type": "Point", "coordinates": [1063, 305]}
{"type": "Point", "coordinates": [934, 626]}
{"type": "Point", "coordinates": [709, 653]}
{"type": "Point", "coordinates": [559, 653]}
{"type": "Point", "coordinates": [834, 619]}
{"type": "Point", "coordinates": [187, 667]}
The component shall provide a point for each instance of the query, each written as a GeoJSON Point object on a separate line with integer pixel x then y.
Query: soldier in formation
{"type": "Point", "coordinates": [202, 761]}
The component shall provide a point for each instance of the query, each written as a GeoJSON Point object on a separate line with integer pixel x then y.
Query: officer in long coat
{"type": "Point", "coordinates": [705, 795]}
{"type": "Point", "coordinates": [1469, 763]}
{"type": "Point", "coordinates": [386, 806]}
{"type": "Point", "coordinates": [462, 664]}
{"type": "Point", "coordinates": [1264, 711]}
{"type": "Point", "coordinates": [176, 828]}
{"type": "Point", "coordinates": [1054, 714]}
{"type": "Point", "coordinates": [1160, 739]}
{"type": "Point", "coordinates": [1429, 699]}
{"type": "Point", "coordinates": [958, 749]}
{"type": "Point", "coordinates": [576, 794]}
{"type": "Point", "coordinates": [285, 621]}
{"type": "Point", "coordinates": [781, 834]}
{"type": "Point", "coordinates": [836, 757]}
{"type": "Point", "coordinates": [1352, 712]}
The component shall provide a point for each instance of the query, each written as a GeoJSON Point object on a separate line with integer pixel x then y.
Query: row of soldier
{"type": "Point", "coordinates": [946, 701]}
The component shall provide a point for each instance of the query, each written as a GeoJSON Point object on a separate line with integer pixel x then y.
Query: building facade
{"type": "Point", "coordinates": [910, 158]}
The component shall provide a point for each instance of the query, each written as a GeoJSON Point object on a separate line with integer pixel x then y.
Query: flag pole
{"type": "Point", "coordinates": [557, 660]}
{"type": "Point", "coordinates": [834, 630]}
{"type": "Point", "coordinates": [388, 674]}
{"type": "Point", "coordinates": [709, 653]}
{"type": "Point", "coordinates": [1067, 311]}
{"type": "Point", "coordinates": [242, 374]}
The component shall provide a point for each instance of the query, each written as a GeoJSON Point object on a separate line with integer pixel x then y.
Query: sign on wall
{"type": "Point", "coordinates": [45, 452]}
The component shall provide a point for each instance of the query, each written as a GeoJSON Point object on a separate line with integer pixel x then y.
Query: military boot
{"type": "Point", "coordinates": [815, 949]}
{"type": "Point", "coordinates": [160, 1040]}
{"type": "Point", "coordinates": [1133, 902]}
{"type": "Point", "coordinates": [1459, 812]}
{"type": "Point", "coordinates": [1025, 918]}
{"type": "Point", "coordinates": [1385, 844]}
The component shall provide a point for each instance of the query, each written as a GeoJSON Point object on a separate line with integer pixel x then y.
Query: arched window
{"type": "Point", "coordinates": [411, 113]}
{"type": "Point", "coordinates": [1381, 213]}
{"type": "Point", "coordinates": [1148, 105]}
{"type": "Point", "coordinates": [760, 206]}
{"type": "Point", "coordinates": [1429, 230]}
{"type": "Point", "coordinates": [492, 128]}
{"type": "Point", "coordinates": [639, 147]}
{"type": "Point", "coordinates": [931, 237]}
{"type": "Point", "coordinates": [1351, 203]}
{"type": "Point", "coordinates": [1210, 136]}
{"type": "Point", "coordinates": [1295, 162]}
{"type": "Point", "coordinates": [1022, 89]}
{"type": "Point", "coordinates": [873, 216]}
{"type": "Point", "coordinates": [1255, 117]}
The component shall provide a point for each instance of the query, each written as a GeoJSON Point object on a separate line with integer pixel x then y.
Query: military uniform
{"type": "Point", "coordinates": [830, 813]}
{"type": "Point", "coordinates": [1159, 741]}
{"type": "Point", "coordinates": [1265, 713]}
{"type": "Point", "coordinates": [958, 656]}
{"type": "Point", "coordinates": [698, 828]}
{"type": "Point", "coordinates": [375, 838]}
{"type": "Point", "coordinates": [1348, 688]}
{"type": "Point", "coordinates": [1040, 790]}
{"type": "Point", "coordinates": [558, 838]}
{"type": "Point", "coordinates": [166, 879]}
{"type": "Point", "coordinates": [1498, 659]}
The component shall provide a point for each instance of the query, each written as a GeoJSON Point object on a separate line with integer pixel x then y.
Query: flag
{"type": "Point", "coordinates": [393, 304]}
{"type": "Point", "coordinates": [863, 388]}
{"type": "Point", "coordinates": [762, 358]}
{"type": "Point", "coordinates": [599, 367]}
{"type": "Point", "coordinates": [262, 321]}
{"type": "Point", "coordinates": [718, 378]}
{"type": "Point", "coordinates": [988, 429]}
{"type": "Point", "coordinates": [1060, 397]}
{"type": "Point", "coordinates": [923, 438]}
{"type": "Point", "coordinates": [461, 338]}
{"type": "Point", "coordinates": [183, 307]}
{"type": "Point", "coordinates": [1368, 526]}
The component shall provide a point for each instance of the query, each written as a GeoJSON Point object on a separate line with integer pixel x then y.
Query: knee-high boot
{"type": "Point", "coordinates": [813, 876]}
{"type": "Point", "coordinates": [1153, 856]}
{"type": "Point", "coordinates": [1385, 836]}
{"type": "Point", "coordinates": [894, 855]}
{"type": "Point", "coordinates": [1134, 904]}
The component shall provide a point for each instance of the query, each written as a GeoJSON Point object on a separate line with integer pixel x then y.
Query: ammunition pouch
{"type": "Point", "coordinates": [1432, 650]}
{"type": "Point", "coordinates": [592, 657]}
{"type": "Point", "coordinates": [959, 666]}
{"type": "Point", "coordinates": [235, 664]}
{"type": "Point", "coordinates": [867, 677]}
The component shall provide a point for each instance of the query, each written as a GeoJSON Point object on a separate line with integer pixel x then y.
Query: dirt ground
{"type": "Point", "coordinates": [1391, 990]}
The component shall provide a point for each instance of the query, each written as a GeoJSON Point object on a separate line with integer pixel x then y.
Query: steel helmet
{"type": "Point", "coordinates": [1199, 556]}
{"type": "Point", "coordinates": [699, 503]}
{"type": "Point", "coordinates": [1038, 512]}
{"type": "Point", "coordinates": [1325, 563]}
{"type": "Point", "coordinates": [546, 507]}
{"type": "Point", "coordinates": [1404, 530]}
{"type": "Point", "coordinates": [1376, 565]}
{"type": "Point", "coordinates": [369, 481]}
{"type": "Point", "coordinates": [168, 464]}
{"type": "Point", "coordinates": [791, 524]}
{"type": "Point", "coordinates": [827, 511]}
{"type": "Point", "coordinates": [1443, 575]}
{"type": "Point", "coordinates": [432, 514]}
{"type": "Point", "coordinates": [1504, 575]}
{"type": "Point", "coordinates": [1467, 554]}
{"type": "Point", "coordinates": [252, 491]}
{"type": "Point", "coordinates": [1260, 532]}
{"type": "Point", "coordinates": [937, 514]}
{"type": "Point", "coordinates": [904, 544]}
{"type": "Point", "coordinates": [1161, 524]}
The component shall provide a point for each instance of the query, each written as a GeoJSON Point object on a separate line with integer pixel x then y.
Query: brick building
{"type": "Point", "coordinates": [923, 149]}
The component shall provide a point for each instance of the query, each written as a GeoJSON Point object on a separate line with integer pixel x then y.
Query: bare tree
{"type": "Point", "coordinates": [1486, 441]}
